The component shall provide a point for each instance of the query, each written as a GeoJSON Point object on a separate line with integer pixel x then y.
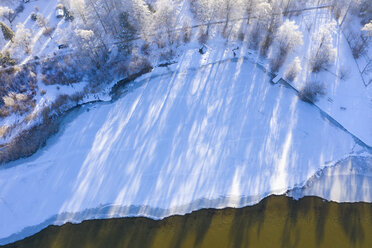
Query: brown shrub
{"type": "Point", "coordinates": [27, 142]}
{"type": "Point", "coordinates": [138, 63]}
{"type": "Point", "coordinates": [47, 31]}
{"type": "Point", "coordinates": [203, 38]}
{"type": "Point", "coordinates": [60, 72]}
{"type": "Point", "coordinates": [311, 90]}
{"type": "Point", "coordinates": [4, 112]}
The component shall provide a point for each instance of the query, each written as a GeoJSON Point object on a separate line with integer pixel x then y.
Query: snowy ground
{"type": "Point", "coordinates": [210, 131]}
{"type": "Point", "coordinates": [350, 180]}
{"type": "Point", "coordinates": [348, 100]}
{"type": "Point", "coordinates": [42, 45]}
{"type": "Point", "coordinates": [197, 135]}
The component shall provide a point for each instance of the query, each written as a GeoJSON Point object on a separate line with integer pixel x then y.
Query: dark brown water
{"type": "Point", "coordinates": [277, 221]}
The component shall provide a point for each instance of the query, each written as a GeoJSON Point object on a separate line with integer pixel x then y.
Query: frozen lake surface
{"type": "Point", "coordinates": [216, 136]}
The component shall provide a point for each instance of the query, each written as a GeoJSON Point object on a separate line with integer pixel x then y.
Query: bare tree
{"type": "Point", "coordinates": [186, 31]}
{"type": "Point", "coordinates": [311, 91]}
{"type": "Point", "coordinates": [44, 23]}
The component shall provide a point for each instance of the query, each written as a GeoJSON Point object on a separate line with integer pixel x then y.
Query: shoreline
{"type": "Point", "coordinates": [41, 133]}
{"type": "Point", "coordinates": [304, 223]}
{"type": "Point", "coordinates": [97, 160]}
{"type": "Point", "coordinates": [111, 211]}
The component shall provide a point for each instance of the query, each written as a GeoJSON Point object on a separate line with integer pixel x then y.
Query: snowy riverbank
{"type": "Point", "coordinates": [177, 141]}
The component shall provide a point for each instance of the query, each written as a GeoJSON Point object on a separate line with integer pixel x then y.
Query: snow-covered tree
{"type": "Point", "coordinates": [293, 69]}
{"type": "Point", "coordinates": [228, 9]}
{"type": "Point", "coordinates": [311, 91]}
{"type": "Point", "coordinates": [231, 9]}
{"type": "Point", "coordinates": [106, 15]}
{"type": "Point", "coordinates": [250, 7]}
{"type": "Point", "coordinates": [2, 40]}
{"type": "Point", "coordinates": [85, 39]}
{"type": "Point", "coordinates": [205, 11]}
{"type": "Point", "coordinates": [262, 13]}
{"type": "Point", "coordinates": [6, 60]}
{"type": "Point", "coordinates": [8, 34]}
{"type": "Point", "coordinates": [364, 10]}
{"type": "Point", "coordinates": [79, 8]}
{"type": "Point", "coordinates": [260, 22]}
{"type": "Point", "coordinates": [22, 39]}
{"type": "Point", "coordinates": [43, 22]}
{"type": "Point", "coordinates": [358, 42]}
{"type": "Point", "coordinates": [324, 52]}
{"type": "Point", "coordinates": [127, 32]}
{"type": "Point", "coordinates": [94, 4]}
{"type": "Point", "coordinates": [288, 37]}
{"type": "Point", "coordinates": [140, 15]}
{"type": "Point", "coordinates": [7, 13]}
{"type": "Point", "coordinates": [368, 28]}
{"type": "Point", "coordinates": [186, 31]}
{"type": "Point", "coordinates": [85, 35]}
{"type": "Point", "coordinates": [88, 45]}
{"type": "Point", "coordinates": [270, 25]}
{"type": "Point", "coordinates": [165, 21]}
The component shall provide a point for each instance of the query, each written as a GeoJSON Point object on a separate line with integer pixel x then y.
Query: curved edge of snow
{"type": "Point", "coordinates": [325, 183]}
{"type": "Point", "coordinates": [114, 211]}
{"type": "Point", "coordinates": [349, 180]}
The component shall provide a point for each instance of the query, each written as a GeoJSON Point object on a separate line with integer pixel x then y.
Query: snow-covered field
{"type": "Point", "coordinates": [208, 131]}
{"type": "Point", "coordinates": [350, 180]}
{"type": "Point", "coordinates": [348, 100]}
{"type": "Point", "coordinates": [43, 46]}
{"type": "Point", "coordinates": [198, 134]}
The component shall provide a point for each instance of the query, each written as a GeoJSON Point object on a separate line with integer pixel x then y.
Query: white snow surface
{"type": "Point", "coordinates": [350, 180]}
{"type": "Point", "coordinates": [198, 134]}
{"type": "Point", "coordinates": [348, 100]}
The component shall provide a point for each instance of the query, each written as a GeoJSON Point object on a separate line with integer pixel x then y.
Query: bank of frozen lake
{"type": "Point", "coordinates": [217, 135]}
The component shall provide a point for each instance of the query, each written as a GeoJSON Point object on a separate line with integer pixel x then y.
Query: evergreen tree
{"type": "Point", "coordinates": [7, 32]}
{"type": "Point", "coordinates": [128, 32]}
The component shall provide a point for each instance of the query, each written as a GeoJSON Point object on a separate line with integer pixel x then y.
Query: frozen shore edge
{"type": "Point", "coordinates": [108, 211]}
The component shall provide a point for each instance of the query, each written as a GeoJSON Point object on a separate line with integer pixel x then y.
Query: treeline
{"type": "Point", "coordinates": [115, 38]}
{"type": "Point", "coordinates": [101, 29]}
{"type": "Point", "coordinates": [162, 23]}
